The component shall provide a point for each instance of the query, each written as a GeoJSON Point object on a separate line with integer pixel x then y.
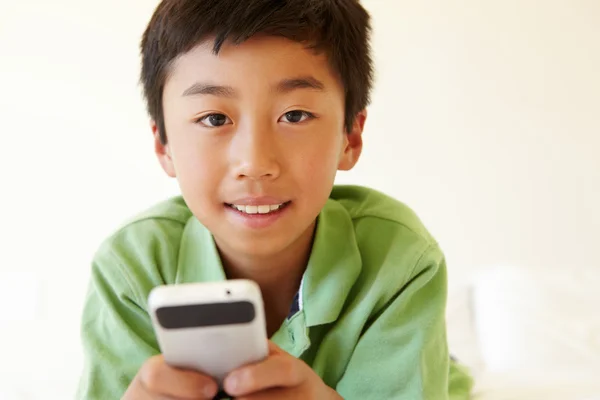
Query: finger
{"type": "Point", "coordinates": [279, 370]}
{"type": "Point", "coordinates": [160, 378]}
{"type": "Point", "coordinates": [137, 391]}
{"type": "Point", "coordinates": [270, 394]}
{"type": "Point", "coordinates": [144, 393]}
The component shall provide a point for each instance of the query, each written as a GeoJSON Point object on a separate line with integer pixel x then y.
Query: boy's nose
{"type": "Point", "coordinates": [255, 155]}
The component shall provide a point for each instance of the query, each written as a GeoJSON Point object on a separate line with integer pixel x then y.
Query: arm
{"type": "Point", "coordinates": [403, 353]}
{"type": "Point", "coordinates": [116, 331]}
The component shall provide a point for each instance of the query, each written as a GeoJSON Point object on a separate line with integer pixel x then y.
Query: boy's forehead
{"type": "Point", "coordinates": [264, 58]}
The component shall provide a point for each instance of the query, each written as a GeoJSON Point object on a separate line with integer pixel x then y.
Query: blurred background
{"type": "Point", "coordinates": [485, 120]}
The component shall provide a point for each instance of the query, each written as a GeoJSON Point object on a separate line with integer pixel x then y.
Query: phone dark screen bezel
{"type": "Point", "coordinates": [205, 315]}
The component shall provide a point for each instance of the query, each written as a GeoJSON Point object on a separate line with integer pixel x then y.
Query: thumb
{"type": "Point", "coordinates": [274, 349]}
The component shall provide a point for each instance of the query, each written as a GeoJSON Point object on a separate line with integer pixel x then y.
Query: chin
{"type": "Point", "coordinates": [261, 248]}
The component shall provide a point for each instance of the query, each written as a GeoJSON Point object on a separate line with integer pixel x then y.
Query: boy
{"type": "Point", "coordinates": [255, 105]}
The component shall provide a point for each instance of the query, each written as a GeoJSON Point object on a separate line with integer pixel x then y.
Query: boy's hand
{"type": "Point", "coordinates": [280, 376]}
{"type": "Point", "coordinates": [157, 380]}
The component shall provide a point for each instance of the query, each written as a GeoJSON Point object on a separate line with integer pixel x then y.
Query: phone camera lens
{"type": "Point", "coordinates": [228, 292]}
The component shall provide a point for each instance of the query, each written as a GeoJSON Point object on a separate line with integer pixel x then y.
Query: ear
{"type": "Point", "coordinates": [353, 143]}
{"type": "Point", "coordinates": [163, 152]}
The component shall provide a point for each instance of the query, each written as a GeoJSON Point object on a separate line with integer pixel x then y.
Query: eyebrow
{"type": "Point", "coordinates": [284, 86]}
{"type": "Point", "coordinates": [209, 89]}
{"type": "Point", "coordinates": [303, 82]}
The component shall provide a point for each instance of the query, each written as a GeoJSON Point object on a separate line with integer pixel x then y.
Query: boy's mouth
{"type": "Point", "coordinates": [262, 209]}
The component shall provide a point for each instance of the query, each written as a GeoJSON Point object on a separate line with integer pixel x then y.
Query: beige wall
{"type": "Point", "coordinates": [486, 119]}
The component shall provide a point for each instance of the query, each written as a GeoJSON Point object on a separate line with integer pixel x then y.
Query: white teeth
{"type": "Point", "coordinates": [251, 209]}
{"type": "Point", "coordinates": [262, 209]}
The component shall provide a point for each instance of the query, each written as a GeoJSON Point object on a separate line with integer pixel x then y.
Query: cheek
{"type": "Point", "coordinates": [317, 163]}
{"type": "Point", "coordinates": [199, 167]}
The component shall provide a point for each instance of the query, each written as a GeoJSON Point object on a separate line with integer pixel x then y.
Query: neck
{"type": "Point", "coordinates": [278, 275]}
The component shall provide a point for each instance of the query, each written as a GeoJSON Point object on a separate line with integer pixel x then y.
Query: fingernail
{"type": "Point", "coordinates": [231, 383]}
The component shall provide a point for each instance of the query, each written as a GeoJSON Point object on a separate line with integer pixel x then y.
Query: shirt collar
{"type": "Point", "coordinates": [199, 259]}
{"type": "Point", "coordinates": [333, 267]}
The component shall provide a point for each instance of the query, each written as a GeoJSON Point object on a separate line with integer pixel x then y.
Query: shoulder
{"type": "Point", "coordinates": [162, 222]}
{"type": "Point", "coordinates": [380, 209]}
{"type": "Point", "coordinates": [142, 253]}
{"type": "Point", "coordinates": [394, 244]}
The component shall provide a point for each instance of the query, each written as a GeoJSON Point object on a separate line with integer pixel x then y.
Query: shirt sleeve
{"type": "Point", "coordinates": [403, 353]}
{"type": "Point", "coordinates": [116, 331]}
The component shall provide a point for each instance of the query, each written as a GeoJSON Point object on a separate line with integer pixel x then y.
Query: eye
{"type": "Point", "coordinates": [296, 116]}
{"type": "Point", "coordinates": [214, 120]}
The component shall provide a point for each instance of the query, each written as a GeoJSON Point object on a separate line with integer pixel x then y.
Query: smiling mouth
{"type": "Point", "coordinates": [259, 209]}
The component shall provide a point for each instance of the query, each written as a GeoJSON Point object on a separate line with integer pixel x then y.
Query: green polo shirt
{"type": "Point", "coordinates": [371, 315]}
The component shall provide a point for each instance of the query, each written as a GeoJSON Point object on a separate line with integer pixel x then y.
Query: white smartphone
{"type": "Point", "coordinates": [212, 327]}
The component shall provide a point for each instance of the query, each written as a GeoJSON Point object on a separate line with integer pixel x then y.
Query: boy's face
{"type": "Point", "coordinates": [255, 137]}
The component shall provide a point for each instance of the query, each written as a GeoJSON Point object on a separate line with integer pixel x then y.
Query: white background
{"type": "Point", "coordinates": [485, 120]}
